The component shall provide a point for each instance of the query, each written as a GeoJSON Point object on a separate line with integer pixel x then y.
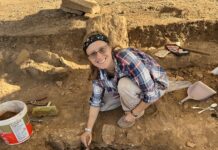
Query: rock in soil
{"type": "Point", "coordinates": [108, 134]}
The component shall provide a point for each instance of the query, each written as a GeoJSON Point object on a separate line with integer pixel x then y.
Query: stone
{"type": "Point", "coordinates": [198, 74]}
{"type": "Point", "coordinates": [151, 48]}
{"type": "Point", "coordinates": [22, 56]}
{"type": "Point", "coordinates": [162, 53]}
{"type": "Point", "coordinates": [190, 144]}
{"type": "Point", "coordinates": [59, 83]}
{"type": "Point", "coordinates": [82, 124]}
{"type": "Point", "coordinates": [138, 127]}
{"type": "Point", "coordinates": [70, 137]}
{"type": "Point", "coordinates": [87, 6]}
{"type": "Point", "coordinates": [46, 56]}
{"type": "Point", "coordinates": [113, 26]}
{"type": "Point", "coordinates": [179, 78]}
{"type": "Point", "coordinates": [72, 65]}
{"type": "Point", "coordinates": [56, 143]}
{"type": "Point", "coordinates": [43, 70]}
{"type": "Point", "coordinates": [108, 134]}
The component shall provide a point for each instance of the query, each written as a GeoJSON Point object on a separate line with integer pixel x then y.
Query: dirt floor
{"type": "Point", "coordinates": [40, 31]}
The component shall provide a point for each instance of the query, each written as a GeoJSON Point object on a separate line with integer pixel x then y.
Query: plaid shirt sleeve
{"type": "Point", "coordinates": [152, 81]}
{"type": "Point", "coordinates": [97, 94]}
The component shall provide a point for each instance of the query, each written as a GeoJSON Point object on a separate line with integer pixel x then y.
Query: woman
{"type": "Point", "coordinates": [127, 77]}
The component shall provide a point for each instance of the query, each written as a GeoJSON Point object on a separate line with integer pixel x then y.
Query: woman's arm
{"type": "Point", "coordinates": [95, 103]}
{"type": "Point", "coordinates": [93, 114]}
{"type": "Point", "coordinates": [86, 137]}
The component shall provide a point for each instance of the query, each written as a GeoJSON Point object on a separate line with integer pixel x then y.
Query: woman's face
{"type": "Point", "coordinates": [100, 54]}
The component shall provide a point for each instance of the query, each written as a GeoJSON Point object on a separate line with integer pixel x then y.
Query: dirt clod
{"type": "Point", "coordinates": [190, 144]}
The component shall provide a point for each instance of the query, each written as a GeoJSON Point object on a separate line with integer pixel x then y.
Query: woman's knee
{"type": "Point", "coordinates": [123, 85]}
{"type": "Point", "coordinates": [126, 85]}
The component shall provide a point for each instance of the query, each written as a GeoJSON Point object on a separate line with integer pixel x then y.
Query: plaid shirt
{"type": "Point", "coordinates": [140, 68]}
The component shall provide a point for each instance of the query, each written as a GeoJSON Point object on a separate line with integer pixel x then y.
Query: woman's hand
{"type": "Point", "coordinates": [129, 117]}
{"type": "Point", "coordinates": [86, 138]}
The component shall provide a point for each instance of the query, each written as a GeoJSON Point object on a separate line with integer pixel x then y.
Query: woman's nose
{"type": "Point", "coordinates": [98, 55]}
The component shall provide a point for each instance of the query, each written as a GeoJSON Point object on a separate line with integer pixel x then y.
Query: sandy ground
{"type": "Point", "coordinates": [171, 127]}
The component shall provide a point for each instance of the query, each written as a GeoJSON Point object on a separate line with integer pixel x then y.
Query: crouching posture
{"type": "Point", "coordinates": [126, 77]}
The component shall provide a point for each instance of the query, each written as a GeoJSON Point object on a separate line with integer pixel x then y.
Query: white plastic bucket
{"type": "Point", "coordinates": [16, 129]}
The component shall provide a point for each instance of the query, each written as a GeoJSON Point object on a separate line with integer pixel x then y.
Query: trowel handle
{"type": "Point", "coordinates": [183, 100]}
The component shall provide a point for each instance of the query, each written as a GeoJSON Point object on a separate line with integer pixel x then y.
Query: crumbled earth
{"type": "Point", "coordinates": [41, 56]}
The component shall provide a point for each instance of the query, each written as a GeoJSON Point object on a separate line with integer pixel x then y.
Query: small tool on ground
{"type": "Point", "coordinates": [198, 91]}
{"type": "Point", "coordinates": [179, 51]}
{"type": "Point", "coordinates": [196, 107]}
{"type": "Point", "coordinates": [40, 111]}
{"type": "Point", "coordinates": [211, 107]}
{"type": "Point", "coordinates": [35, 102]}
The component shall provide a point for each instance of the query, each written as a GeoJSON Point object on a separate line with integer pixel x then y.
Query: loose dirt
{"type": "Point", "coordinates": [7, 115]}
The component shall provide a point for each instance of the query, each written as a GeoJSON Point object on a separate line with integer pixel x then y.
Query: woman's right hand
{"type": "Point", "coordinates": [86, 138]}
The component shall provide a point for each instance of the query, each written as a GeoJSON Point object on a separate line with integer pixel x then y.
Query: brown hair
{"type": "Point", "coordinates": [94, 71]}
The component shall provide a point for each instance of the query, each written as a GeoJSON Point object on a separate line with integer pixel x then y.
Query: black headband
{"type": "Point", "coordinates": [93, 38]}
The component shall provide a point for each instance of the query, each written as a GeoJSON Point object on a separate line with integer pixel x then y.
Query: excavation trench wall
{"type": "Point", "coordinates": [140, 37]}
{"type": "Point", "coordinates": [158, 35]}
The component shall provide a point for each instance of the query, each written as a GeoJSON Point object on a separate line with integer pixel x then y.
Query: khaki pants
{"type": "Point", "coordinates": [128, 98]}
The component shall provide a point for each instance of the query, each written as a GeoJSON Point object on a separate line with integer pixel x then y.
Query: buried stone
{"type": "Point", "coordinates": [43, 70]}
{"type": "Point", "coordinates": [108, 134]}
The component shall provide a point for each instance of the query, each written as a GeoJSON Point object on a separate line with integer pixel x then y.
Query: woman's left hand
{"type": "Point", "coordinates": [129, 117]}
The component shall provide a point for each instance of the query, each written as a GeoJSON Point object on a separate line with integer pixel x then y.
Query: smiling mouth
{"type": "Point", "coordinates": [102, 61]}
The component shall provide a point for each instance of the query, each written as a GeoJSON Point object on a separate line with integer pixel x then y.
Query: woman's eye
{"type": "Point", "coordinates": [92, 54]}
{"type": "Point", "coordinates": [101, 50]}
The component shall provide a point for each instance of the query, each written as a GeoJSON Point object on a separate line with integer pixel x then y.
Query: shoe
{"type": "Point", "coordinates": [123, 123]}
{"type": "Point", "coordinates": [141, 114]}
